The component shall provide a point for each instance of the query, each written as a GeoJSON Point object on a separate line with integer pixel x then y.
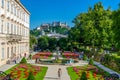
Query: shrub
{"type": "Point", "coordinates": [83, 76]}
{"type": "Point", "coordinates": [30, 56]}
{"type": "Point", "coordinates": [23, 60]}
{"type": "Point", "coordinates": [118, 54]}
{"type": "Point", "coordinates": [84, 57]}
{"type": "Point", "coordinates": [91, 61]}
{"type": "Point", "coordinates": [108, 59]}
{"type": "Point", "coordinates": [31, 76]}
{"type": "Point", "coordinates": [101, 50]}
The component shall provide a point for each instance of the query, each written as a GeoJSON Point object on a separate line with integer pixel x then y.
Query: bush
{"type": "Point", "coordinates": [118, 54]}
{"type": "Point", "coordinates": [30, 56]}
{"type": "Point", "coordinates": [101, 50]}
{"type": "Point", "coordinates": [83, 76]}
{"type": "Point", "coordinates": [31, 76]}
{"type": "Point", "coordinates": [108, 59]}
{"type": "Point", "coordinates": [84, 57]}
{"type": "Point", "coordinates": [23, 60]}
{"type": "Point", "coordinates": [91, 61]}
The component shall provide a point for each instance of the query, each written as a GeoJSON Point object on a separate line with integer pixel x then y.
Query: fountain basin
{"type": "Point", "coordinates": [58, 61]}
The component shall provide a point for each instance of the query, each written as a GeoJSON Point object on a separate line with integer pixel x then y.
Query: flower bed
{"type": "Point", "coordinates": [21, 71]}
{"type": "Point", "coordinates": [42, 55]}
{"type": "Point", "coordinates": [70, 55]}
{"type": "Point", "coordinates": [92, 72]}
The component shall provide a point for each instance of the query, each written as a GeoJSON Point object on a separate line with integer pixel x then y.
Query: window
{"type": "Point", "coordinates": [11, 28]}
{"type": "Point", "coordinates": [24, 17]}
{"type": "Point", "coordinates": [15, 11]}
{"type": "Point", "coordinates": [20, 30]}
{"type": "Point", "coordinates": [14, 29]}
{"type": "Point", "coordinates": [8, 6]}
{"type": "Point", "coordinates": [2, 24]}
{"type": "Point", "coordinates": [12, 51]}
{"type": "Point", "coordinates": [20, 15]}
{"type": "Point", "coordinates": [2, 3]}
{"type": "Point", "coordinates": [15, 50]}
{"type": "Point", "coordinates": [2, 53]}
{"type": "Point", "coordinates": [11, 8]}
{"type": "Point", "coordinates": [8, 52]}
{"type": "Point", "coordinates": [8, 28]}
{"type": "Point", "coordinates": [18, 50]}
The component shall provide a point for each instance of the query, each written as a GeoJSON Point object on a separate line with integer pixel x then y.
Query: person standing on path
{"type": "Point", "coordinates": [59, 73]}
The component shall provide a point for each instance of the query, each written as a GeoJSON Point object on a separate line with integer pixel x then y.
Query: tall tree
{"type": "Point", "coordinates": [95, 25]}
{"type": "Point", "coordinates": [33, 41]}
{"type": "Point", "coordinates": [116, 27]}
{"type": "Point", "coordinates": [43, 42]}
{"type": "Point", "coordinates": [62, 43]}
{"type": "Point", "coordinates": [52, 43]}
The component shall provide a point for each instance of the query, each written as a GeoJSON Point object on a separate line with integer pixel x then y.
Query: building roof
{"type": "Point", "coordinates": [18, 1]}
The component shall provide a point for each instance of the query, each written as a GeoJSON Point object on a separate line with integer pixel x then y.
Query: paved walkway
{"type": "Point", "coordinates": [8, 66]}
{"type": "Point", "coordinates": [52, 73]}
{"type": "Point", "coordinates": [105, 68]}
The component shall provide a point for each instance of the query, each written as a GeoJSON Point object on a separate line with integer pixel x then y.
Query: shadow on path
{"type": "Point", "coordinates": [52, 78]}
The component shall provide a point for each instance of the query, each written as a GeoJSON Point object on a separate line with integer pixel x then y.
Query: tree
{"type": "Point", "coordinates": [31, 76]}
{"type": "Point", "coordinates": [23, 60]}
{"type": "Point", "coordinates": [83, 76]}
{"type": "Point", "coordinates": [62, 43]}
{"type": "Point", "coordinates": [84, 57]}
{"type": "Point", "coordinates": [107, 59]}
{"type": "Point", "coordinates": [95, 26]}
{"type": "Point", "coordinates": [33, 41]}
{"type": "Point", "coordinates": [43, 42]}
{"type": "Point", "coordinates": [74, 34]}
{"type": "Point", "coordinates": [74, 38]}
{"type": "Point", "coordinates": [91, 61]}
{"type": "Point", "coordinates": [52, 43]}
{"type": "Point", "coordinates": [35, 33]}
{"type": "Point", "coordinates": [116, 27]}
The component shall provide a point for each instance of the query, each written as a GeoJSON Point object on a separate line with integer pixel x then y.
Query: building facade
{"type": "Point", "coordinates": [14, 30]}
{"type": "Point", "coordinates": [46, 26]}
{"type": "Point", "coordinates": [60, 24]}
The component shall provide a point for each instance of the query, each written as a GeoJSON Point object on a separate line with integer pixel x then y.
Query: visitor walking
{"type": "Point", "coordinates": [25, 55]}
{"type": "Point", "coordinates": [14, 61]}
{"type": "Point", "coordinates": [59, 73]}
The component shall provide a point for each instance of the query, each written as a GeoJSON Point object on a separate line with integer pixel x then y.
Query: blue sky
{"type": "Point", "coordinates": [47, 11]}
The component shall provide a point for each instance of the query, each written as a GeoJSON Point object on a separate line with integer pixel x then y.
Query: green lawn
{"type": "Point", "coordinates": [41, 75]}
{"type": "Point", "coordinates": [22, 73]}
{"type": "Point", "coordinates": [75, 75]}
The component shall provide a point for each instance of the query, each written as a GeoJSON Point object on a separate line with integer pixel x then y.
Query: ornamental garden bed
{"type": "Point", "coordinates": [92, 72]}
{"type": "Point", "coordinates": [21, 71]}
{"type": "Point", "coordinates": [42, 55]}
{"type": "Point", "coordinates": [70, 55]}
